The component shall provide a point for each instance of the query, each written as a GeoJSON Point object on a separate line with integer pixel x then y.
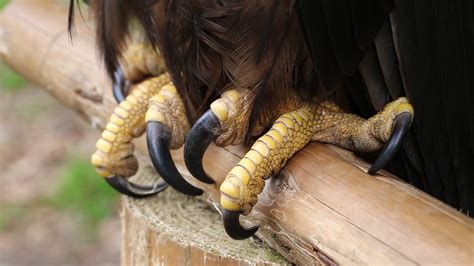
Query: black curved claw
{"type": "Point", "coordinates": [401, 125]}
{"type": "Point", "coordinates": [233, 228]}
{"type": "Point", "coordinates": [123, 186]}
{"type": "Point", "coordinates": [158, 136]}
{"type": "Point", "coordinates": [119, 85]}
{"type": "Point", "coordinates": [201, 135]}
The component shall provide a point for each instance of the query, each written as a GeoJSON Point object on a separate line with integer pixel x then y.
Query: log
{"type": "Point", "coordinates": [165, 231]}
{"type": "Point", "coordinates": [321, 209]}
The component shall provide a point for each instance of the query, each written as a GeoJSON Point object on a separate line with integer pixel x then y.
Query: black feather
{"type": "Point", "coordinates": [424, 51]}
{"type": "Point", "coordinates": [388, 61]}
{"type": "Point", "coordinates": [372, 74]}
{"type": "Point", "coordinates": [314, 26]}
{"type": "Point", "coordinates": [341, 33]}
{"type": "Point", "coordinates": [359, 94]}
{"type": "Point", "coordinates": [366, 20]}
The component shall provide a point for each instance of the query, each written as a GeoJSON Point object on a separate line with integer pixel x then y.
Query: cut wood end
{"type": "Point", "coordinates": [188, 222]}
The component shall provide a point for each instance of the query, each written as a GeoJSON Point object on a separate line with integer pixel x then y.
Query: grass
{"type": "Point", "coordinates": [9, 79]}
{"type": "Point", "coordinates": [31, 111]}
{"type": "Point", "coordinates": [3, 4]}
{"type": "Point", "coordinates": [10, 213]}
{"type": "Point", "coordinates": [82, 192]}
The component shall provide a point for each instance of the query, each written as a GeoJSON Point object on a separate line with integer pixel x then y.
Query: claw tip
{"type": "Point", "coordinates": [233, 228]}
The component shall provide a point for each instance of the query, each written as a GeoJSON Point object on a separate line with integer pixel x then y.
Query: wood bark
{"type": "Point", "coordinates": [322, 208]}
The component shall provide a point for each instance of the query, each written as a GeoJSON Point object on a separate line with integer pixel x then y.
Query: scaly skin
{"type": "Point", "coordinates": [355, 133]}
{"type": "Point", "coordinates": [232, 110]}
{"type": "Point", "coordinates": [168, 108]}
{"type": "Point", "coordinates": [114, 155]}
{"type": "Point", "coordinates": [140, 60]}
{"type": "Point", "coordinates": [290, 133]}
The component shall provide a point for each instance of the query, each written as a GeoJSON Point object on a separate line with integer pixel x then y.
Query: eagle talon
{"type": "Point", "coordinates": [290, 133]}
{"type": "Point", "coordinates": [125, 187]}
{"type": "Point", "coordinates": [114, 159]}
{"type": "Point", "coordinates": [233, 227]}
{"type": "Point", "coordinates": [158, 138]}
{"type": "Point", "coordinates": [401, 125]}
{"type": "Point", "coordinates": [201, 135]}
{"type": "Point", "coordinates": [119, 85]}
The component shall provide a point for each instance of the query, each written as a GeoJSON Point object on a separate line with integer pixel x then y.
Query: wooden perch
{"type": "Point", "coordinates": [173, 229]}
{"type": "Point", "coordinates": [322, 208]}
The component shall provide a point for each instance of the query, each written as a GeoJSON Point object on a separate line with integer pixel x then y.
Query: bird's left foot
{"type": "Point", "coordinates": [225, 123]}
{"type": "Point", "coordinates": [291, 132]}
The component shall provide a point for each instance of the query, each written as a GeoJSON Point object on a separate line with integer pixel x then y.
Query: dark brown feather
{"type": "Point", "coordinates": [113, 19]}
{"type": "Point", "coordinates": [210, 46]}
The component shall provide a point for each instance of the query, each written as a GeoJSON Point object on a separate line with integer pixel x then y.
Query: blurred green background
{"type": "Point", "coordinates": [54, 208]}
{"type": "Point", "coordinates": [45, 165]}
{"type": "Point", "coordinates": [3, 3]}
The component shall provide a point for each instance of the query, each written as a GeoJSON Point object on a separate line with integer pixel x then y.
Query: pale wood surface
{"type": "Point", "coordinates": [323, 208]}
{"type": "Point", "coordinates": [143, 245]}
{"type": "Point", "coordinates": [173, 229]}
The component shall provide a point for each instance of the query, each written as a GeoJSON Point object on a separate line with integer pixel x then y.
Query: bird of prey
{"type": "Point", "coordinates": [282, 73]}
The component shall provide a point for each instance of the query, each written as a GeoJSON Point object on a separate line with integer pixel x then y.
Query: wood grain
{"type": "Point", "coordinates": [322, 208]}
{"type": "Point", "coordinates": [173, 229]}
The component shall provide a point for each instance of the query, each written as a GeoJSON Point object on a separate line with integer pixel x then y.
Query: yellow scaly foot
{"type": "Point", "coordinates": [290, 133]}
{"type": "Point", "coordinates": [114, 159]}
